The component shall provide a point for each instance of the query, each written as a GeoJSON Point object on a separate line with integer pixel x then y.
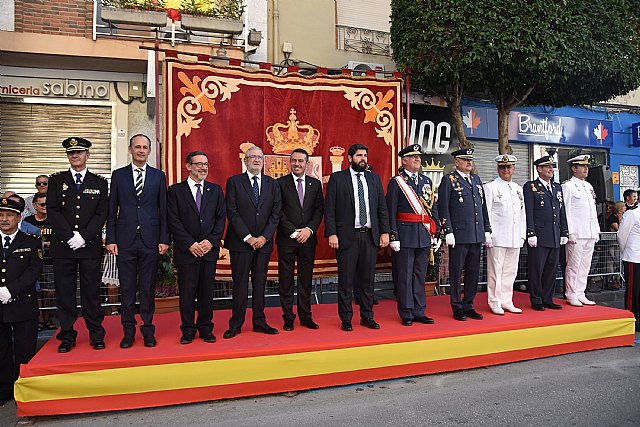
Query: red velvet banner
{"type": "Point", "coordinates": [223, 111]}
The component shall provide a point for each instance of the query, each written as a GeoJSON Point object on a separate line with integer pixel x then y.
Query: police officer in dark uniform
{"type": "Point", "coordinates": [77, 208]}
{"type": "Point", "coordinates": [20, 266]}
{"type": "Point", "coordinates": [546, 231]}
{"type": "Point", "coordinates": [413, 219]}
{"type": "Point", "coordinates": [465, 223]}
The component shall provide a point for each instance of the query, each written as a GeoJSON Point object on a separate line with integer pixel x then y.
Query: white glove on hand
{"type": "Point", "coordinates": [5, 295]}
{"type": "Point", "coordinates": [488, 240]}
{"type": "Point", "coordinates": [572, 239]}
{"type": "Point", "coordinates": [435, 244]}
{"type": "Point", "coordinates": [563, 240]}
{"type": "Point", "coordinates": [522, 241]}
{"type": "Point", "coordinates": [533, 241]}
{"type": "Point", "coordinates": [76, 242]}
{"type": "Point", "coordinates": [395, 245]}
{"type": "Point", "coordinates": [450, 240]}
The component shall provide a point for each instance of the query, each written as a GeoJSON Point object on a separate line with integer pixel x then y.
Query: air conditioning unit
{"type": "Point", "coordinates": [359, 68]}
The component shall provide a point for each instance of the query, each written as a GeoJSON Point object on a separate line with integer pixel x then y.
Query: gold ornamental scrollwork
{"type": "Point", "coordinates": [200, 96]}
{"type": "Point", "coordinates": [377, 109]}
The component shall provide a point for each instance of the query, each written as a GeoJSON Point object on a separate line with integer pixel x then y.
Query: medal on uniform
{"type": "Point", "coordinates": [65, 186]}
{"type": "Point", "coordinates": [461, 199]}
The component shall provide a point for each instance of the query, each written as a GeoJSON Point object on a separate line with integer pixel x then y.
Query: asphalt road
{"type": "Point", "coordinates": [596, 388]}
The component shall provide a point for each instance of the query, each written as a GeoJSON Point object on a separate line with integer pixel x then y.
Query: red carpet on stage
{"type": "Point", "coordinates": [87, 380]}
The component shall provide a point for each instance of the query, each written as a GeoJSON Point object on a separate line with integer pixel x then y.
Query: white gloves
{"type": "Point", "coordinates": [533, 241]}
{"type": "Point", "coordinates": [435, 244]}
{"type": "Point", "coordinates": [563, 240]}
{"type": "Point", "coordinates": [5, 295]}
{"type": "Point", "coordinates": [572, 239]}
{"type": "Point", "coordinates": [76, 242]}
{"type": "Point", "coordinates": [488, 240]}
{"type": "Point", "coordinates": [395, 245]}
{"type": "Point", "coordinates": [522, 241]}
{"type": "Point", "coordinates": [450, 240]}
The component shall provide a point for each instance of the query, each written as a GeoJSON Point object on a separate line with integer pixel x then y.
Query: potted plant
{"type": "Point", "coordinates": [135, 12]}
{"type": "Point", "coordinates": [217, 16]}
{"type": "Point", "coordinates": [166, 289]}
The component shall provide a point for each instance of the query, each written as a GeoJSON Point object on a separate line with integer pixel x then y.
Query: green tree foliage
{"type": "Point", "coordinates": [553, 52]}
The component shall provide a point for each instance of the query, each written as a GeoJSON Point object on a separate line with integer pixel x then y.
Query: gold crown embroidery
{"type": "Point", "coordinates": [286, 138]}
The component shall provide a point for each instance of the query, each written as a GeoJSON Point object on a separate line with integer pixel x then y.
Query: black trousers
{"type": "Point", "coordinates": [464, 256]}
{"type": "Point", "coordinates": [243, 263]}
{"type": "Point", "coordinates": [286, 260]}
{"type": "Point", "coordinates": [17, 346]}
{"type": "Point", "coordinates": [65, 271]}
{"type": "Point", "coordinates": [410, 273]}
{"type": "Point", "coordinates": [542, 266]}
{"type": "Point", "coordinates": [356, 268]}
{"type": "Point", "coordinates": [196, 281]}
{"type": "Point", "coordinates": [137, 270]}
{"type": "Point", "coordinates": [632, 291]}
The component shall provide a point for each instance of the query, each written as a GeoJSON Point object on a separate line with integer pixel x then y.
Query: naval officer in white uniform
{"type": "Point", "coordinates": [584, 232]}
{"type": "Point", "coordinates": [505, 205]}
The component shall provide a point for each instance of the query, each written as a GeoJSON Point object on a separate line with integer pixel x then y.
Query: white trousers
{"type": "Point", "coordinates": [579, 256]}
{"type": "Point", "coordinates": [502, 268]}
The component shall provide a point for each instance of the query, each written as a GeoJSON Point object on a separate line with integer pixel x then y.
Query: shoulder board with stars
{"type": "Point", "coordinates": [57, 173]}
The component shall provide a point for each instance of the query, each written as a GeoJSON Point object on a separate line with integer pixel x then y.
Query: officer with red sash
{"type": "Point", "coordinates": [413, 218]}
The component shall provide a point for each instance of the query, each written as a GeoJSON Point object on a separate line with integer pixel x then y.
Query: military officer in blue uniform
{"type": "Point", "coordinates": [77, 205]}
{"type": "Point", "coordinates": [465, 224]}
{"type": "Point", "coordinates": [546, 231]}
{"type": "Point", "coordinates": [20, 266]}
{"type": "Point", "coordinates": [413, 219]}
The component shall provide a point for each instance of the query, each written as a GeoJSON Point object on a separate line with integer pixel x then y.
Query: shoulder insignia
{"type": "Point", "coordinates": [565, 181]}
{"type": "Point", "coordinates": [40, 253]}
{"type": "Point", "coordinates": [100, 176]}
{"type": "Point", "coordinates": [33, 235]}
{"type": "Point", "coordinates": [56, 173]}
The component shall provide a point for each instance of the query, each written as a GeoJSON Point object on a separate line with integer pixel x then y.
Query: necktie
{"type": "Point", "coordinates": [198, 196]}
{"type": "Point", "coordinates": [300, 192]}
{"type": "Point", "coordinates": [7, 242]}
{"type": "Point", "coordinates": [414, 177]}
{"type": "Point", "coordinates": [139, 182]}
{"type": "Point", "coordinates": [78, 180]}
{"type": "Point", "coordinates": [361, 202]}
{"type": "Point", "coordinates": [466, 177]}
{"type": "Point", "coordinates": [256, 189]}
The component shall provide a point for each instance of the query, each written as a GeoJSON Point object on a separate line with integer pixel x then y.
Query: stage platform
{"type": "Point", "coordinates": [86, 380]}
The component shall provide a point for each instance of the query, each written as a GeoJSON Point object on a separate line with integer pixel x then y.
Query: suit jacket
{"type": "Point", "coordinates": [295, 216]}
{"type": "Point", "coordinates": [189, 226]}
{"type": "Point", "coordinates": [546, 217]}
{"type": "Point", "coordinates": [247, 217]}
{"type": "Point", "coordinates": [127, 213]}
{"type": "Point", "coordinates": [20, 270]}
{"type": "Point", "coordinates": [340, 208]}
{"type": "Point", "coordinates": [84, 210]}
{"type": "Point", "coordinates": [410, 234]}
{"type": "Point", "coordinates": [463, 209]}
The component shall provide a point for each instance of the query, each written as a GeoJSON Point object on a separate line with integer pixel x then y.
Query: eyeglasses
{"type": "Point", "coordinates": [200, 164]}
{"type": "Point", "coordinates": [42, 205]}
{"type": "Point", "coordinates": [255, 157]}
{"type": "Point", "coordinates": [42, 183]}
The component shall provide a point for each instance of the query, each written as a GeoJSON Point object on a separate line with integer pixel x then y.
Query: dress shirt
{"type": "Point", "coordinates": [295, 183]}
{"type": "Point", "coordinates": [11, 237]}
{"type": "Point", "coordinates": [193, 188]}
{"type": "Point", "coordinates": [250, 175]}
{"type": "Point", "coordinates": [135, 174]}
{"type": "Point", "coordinates": [354, 181]}
{"type": "Point", "coordinates": [82, 172]}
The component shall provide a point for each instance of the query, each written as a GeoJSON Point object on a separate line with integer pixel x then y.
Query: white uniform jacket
{"type": "Point", "coordinates": [505, 205]}
{"type": "Point", "coordinates": [580, 205]}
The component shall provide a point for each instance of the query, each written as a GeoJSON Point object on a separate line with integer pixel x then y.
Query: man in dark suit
{"type": "Point", "coordinates": [21, 259]}
{"type": "Point", "coordinates": [302, 207]}
{"type": "Point", "coordinates": [465, 221]}
{"type": "Point", "coordinates": [253, 208]}
{"type": "Point", "coordinates": [196, 214]}
{"type": "Point", "coordinates": [414, 223]}
{"type": "Point", "coordinates": [77, 205]}
{"type": "Point", "coordinates": [546, 230]}
{"type": "Point", "coordinates": [357, 223]}
{"type": "Point", "coordinates": [137, 234]}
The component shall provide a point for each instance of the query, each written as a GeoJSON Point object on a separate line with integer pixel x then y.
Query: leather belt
{"type": "Point", "coordinates": [363, 229]}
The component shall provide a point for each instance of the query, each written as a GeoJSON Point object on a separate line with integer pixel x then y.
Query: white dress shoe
{"type": "Point", "coordinates": [574, 302]}
{"type": "Point", "coordinates": [497, 310]}
{"type": "Point", "coordinates": [512, 309]}
{"type": "Point", "coordinates": [586, 301]}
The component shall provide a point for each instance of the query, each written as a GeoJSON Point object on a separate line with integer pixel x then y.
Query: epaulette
{"type": "Point", "coordinates": [566, 180]}
{"type": "Point", "coordinates": [100, 176]}
{"type": "Point", "coordinates": [57, 173]}
{"type": "Point", "coordinates": [32, 235]}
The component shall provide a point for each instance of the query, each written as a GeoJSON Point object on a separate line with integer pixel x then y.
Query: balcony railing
{"type": "Point", "coordinates": [362, 40]}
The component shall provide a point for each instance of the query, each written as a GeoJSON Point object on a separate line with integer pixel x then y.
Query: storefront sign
{"type": "Point", "coordinates": [432, 127]}
{"type": "Point", "coordinates": [635, 134]}
{"type": "Point", "coordinates": [538, 128]}
{"type": "Point", "coordinates": [56, 88]}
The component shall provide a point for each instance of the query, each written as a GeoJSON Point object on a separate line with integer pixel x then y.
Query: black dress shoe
{"type": "Point", "coordinates": [127, 341]}
{"type": "Point", "coordinates": [288, 325]}
{"type": "Point", "coordinates": [407, 322]}
{"type": "Point", "coordinates": [208, 338]}
{"type": "Point", "coordinates": [459, 315]}
{"type": "Point", "coordinates": [552, 306]}
{"type": "Point", "coordinates": [537, 307]}
{"type": "Point", "coordinates": [186, 340]}
{"type": "Point", "coordinates": [424, 319]}
{"type": "Point", "coordinates": [265, 329]}
{"type": "Point", "coordinates": [371, 324]}
{"type": "Point", "coordinates": [97, 344]}
{"type": "Point", "coordinates": [150, 341]}
{"type": "Point", "coordinates": [346, 326]}
{"type": "Point", "coordinates": [230, 333]}
{"type": "Point", "coordinates": [472, 314]}
{"type": "Point", "coordinates": [66, 346]}
{"type": "Point", "coordinates": [309, 324]}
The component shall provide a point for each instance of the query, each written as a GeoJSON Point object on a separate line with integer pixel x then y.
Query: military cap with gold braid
{"type": "Point", "coordinates": [506, 160]}
{"type": "Point", "coordinates": [7, 204]}
{"type": "Point", "coordinates": [463, 153]}
{"type": "Point", "coordinates": [582, 159]}
{"type": "Point", "coordinates": [544, 161]}
{"type": "Point", "coordinates": [76, 144]}
{"type": "Point", "coordinates": [411, 150]}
